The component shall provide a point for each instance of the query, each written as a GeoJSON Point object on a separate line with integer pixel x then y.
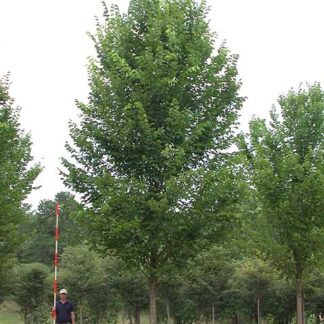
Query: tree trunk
{"type": "Point", "coordinates": [153, 291]}
{"type": "Point", "coordinates": [130, 317]}
{"type": "Point", "coordinates": [299, 294]}
{"type": "Point", "coordinates": [213, 314]}
{"type": "Point", "coordinates": [235, 319]}
{"type": "Point", "coordinates": [303, 300]}
{"type": "Point", "coordinates": [284, 320]}
{"type": "Point", "coordinates": [137, 314]}
{"type": "Point", "coordinates": [81, 318]}
{"type": "Point", "coordinates": [259, 310]}
{"type": "Point", "coordinates": [124, 315]}
{"type": "Point", "coordinates": [168, 313]}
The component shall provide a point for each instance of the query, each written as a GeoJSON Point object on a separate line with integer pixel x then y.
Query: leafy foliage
{"type": "Point", "coordinates": [162, 111]}
{"type": "Point", "coordinates": [31, 292]}
{"type": "Point", "coordinates": [83, 275]}
{"type": "Point", "coordinates": [129, 285]}
{"type": "Point", "coordinates": [40, 230]}
{"type": "Point", "coordinates": [17, 175]}
{"type": "Point", "coordinates": [161, 107]}
{"type": "Point", "coordinates": [286, 162]}
{"type": "Point", "coordinates": [7, 280]}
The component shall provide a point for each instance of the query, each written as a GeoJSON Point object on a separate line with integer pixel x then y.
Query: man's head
{"type": "Point", "coordinates": [63, 294]}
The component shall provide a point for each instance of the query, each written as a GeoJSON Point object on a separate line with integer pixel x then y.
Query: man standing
{"type": "Point", "coordinates": [64, 309]}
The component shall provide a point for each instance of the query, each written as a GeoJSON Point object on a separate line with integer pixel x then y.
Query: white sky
{"type": "Point", "coordinates": [44, 46]}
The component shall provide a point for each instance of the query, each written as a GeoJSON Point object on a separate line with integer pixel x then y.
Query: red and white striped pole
{"type": "Point", "coordinates": [57, 213]}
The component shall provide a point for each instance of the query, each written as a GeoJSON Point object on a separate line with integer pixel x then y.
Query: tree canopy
{"type": "Point", "coordinates": [17, 174]}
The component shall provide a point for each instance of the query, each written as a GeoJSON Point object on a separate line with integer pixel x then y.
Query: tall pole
{"type": "Point", "coordinates": [57, 213]}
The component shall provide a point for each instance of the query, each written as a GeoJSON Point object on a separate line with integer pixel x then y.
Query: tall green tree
{"type": "Point", "coordinates": [287, 165]}
{"type": "Point", "coordinates": [17, 174]}
{"type": "Point", "coordinates": [149, 152]}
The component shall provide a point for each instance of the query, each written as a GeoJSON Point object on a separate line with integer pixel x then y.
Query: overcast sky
{"type": "Point", "coordinates": [44, 46]}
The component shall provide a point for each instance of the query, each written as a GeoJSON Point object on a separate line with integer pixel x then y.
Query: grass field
{"type": "Point", "coordinates": [9, 315]}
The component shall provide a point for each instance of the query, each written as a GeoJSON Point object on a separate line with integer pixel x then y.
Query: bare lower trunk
{"type": "Point", "coordinates": [138, 314]}
{"type": "Point", "coordinates": [81, 315]}
{"type": "Point", "coordinates": [153, 290]}
{"type": "Point", "coordinates": [213, 314]}
{"type": "Point", "coordinates": [130, 318]}
{"type": "Point", "coordinates": [124, 315]}
{"type": "Point", "coordinates": [303, 301]}
{"type": "Point", "coordinates": [259, 311]}
{"type": "Point", "coordinates": [235, 319]}
{"type": "Point", "coordinates": [168, 313]}
{"type": "Point", "coordinates": [299, 295]}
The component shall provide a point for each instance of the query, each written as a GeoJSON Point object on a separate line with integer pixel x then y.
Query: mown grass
{"type": "Point", "coordinates": [9, 318]}
{"type": "Point", "coordinates": [8, 314]}
{"type": "Point", "coordinates": [144, 319]}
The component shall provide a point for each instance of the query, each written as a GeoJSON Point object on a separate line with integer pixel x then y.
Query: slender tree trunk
{"type": "Point", "coordinates": [130, 317]}
{"type": "Point", "coordinates": [303, 299]}
{"type": "Point", "coordinates": [168, 313]}
{"type": "Point", "coordinates": [259, 310]}
{"type": "Point", "coordinates": [123, 316]}
{"type": "Point", "coordinates": [299, 295]}
{"type": "Point", "coordinates": [137, 314]}
{"type": "Point", "coordinates": [81, 317]}
{"type": "Point", "coordinates": [235, 319]}
{"type": "Point", "coordinates": [284, 320]}
{"type": "Point", "coordinates": [153, 292]}
{"type": "Point", "coordinates": [213, 313]}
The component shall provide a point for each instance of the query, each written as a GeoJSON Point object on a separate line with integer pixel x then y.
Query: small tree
{"type": "Point", "coordinates": [131, 287]}
{"type": "Point", "coordinates": [286, 163]}
{"type": "Point", "coordinates": [82, 274]}
{"type": "Point", "coordinates": [314, 299]}
{"type": "Point", "coordinates": [207, 279]}
{"type": "Point", "coordinates": [255, 277]}
{"type": "Point", "coordinates": [31, 292]}
{"type": "Point", "coordinates": [7, 280]}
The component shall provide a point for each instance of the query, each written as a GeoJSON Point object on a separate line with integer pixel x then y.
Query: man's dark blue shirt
{"type": "Point", "coordinates": [63, 311]}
